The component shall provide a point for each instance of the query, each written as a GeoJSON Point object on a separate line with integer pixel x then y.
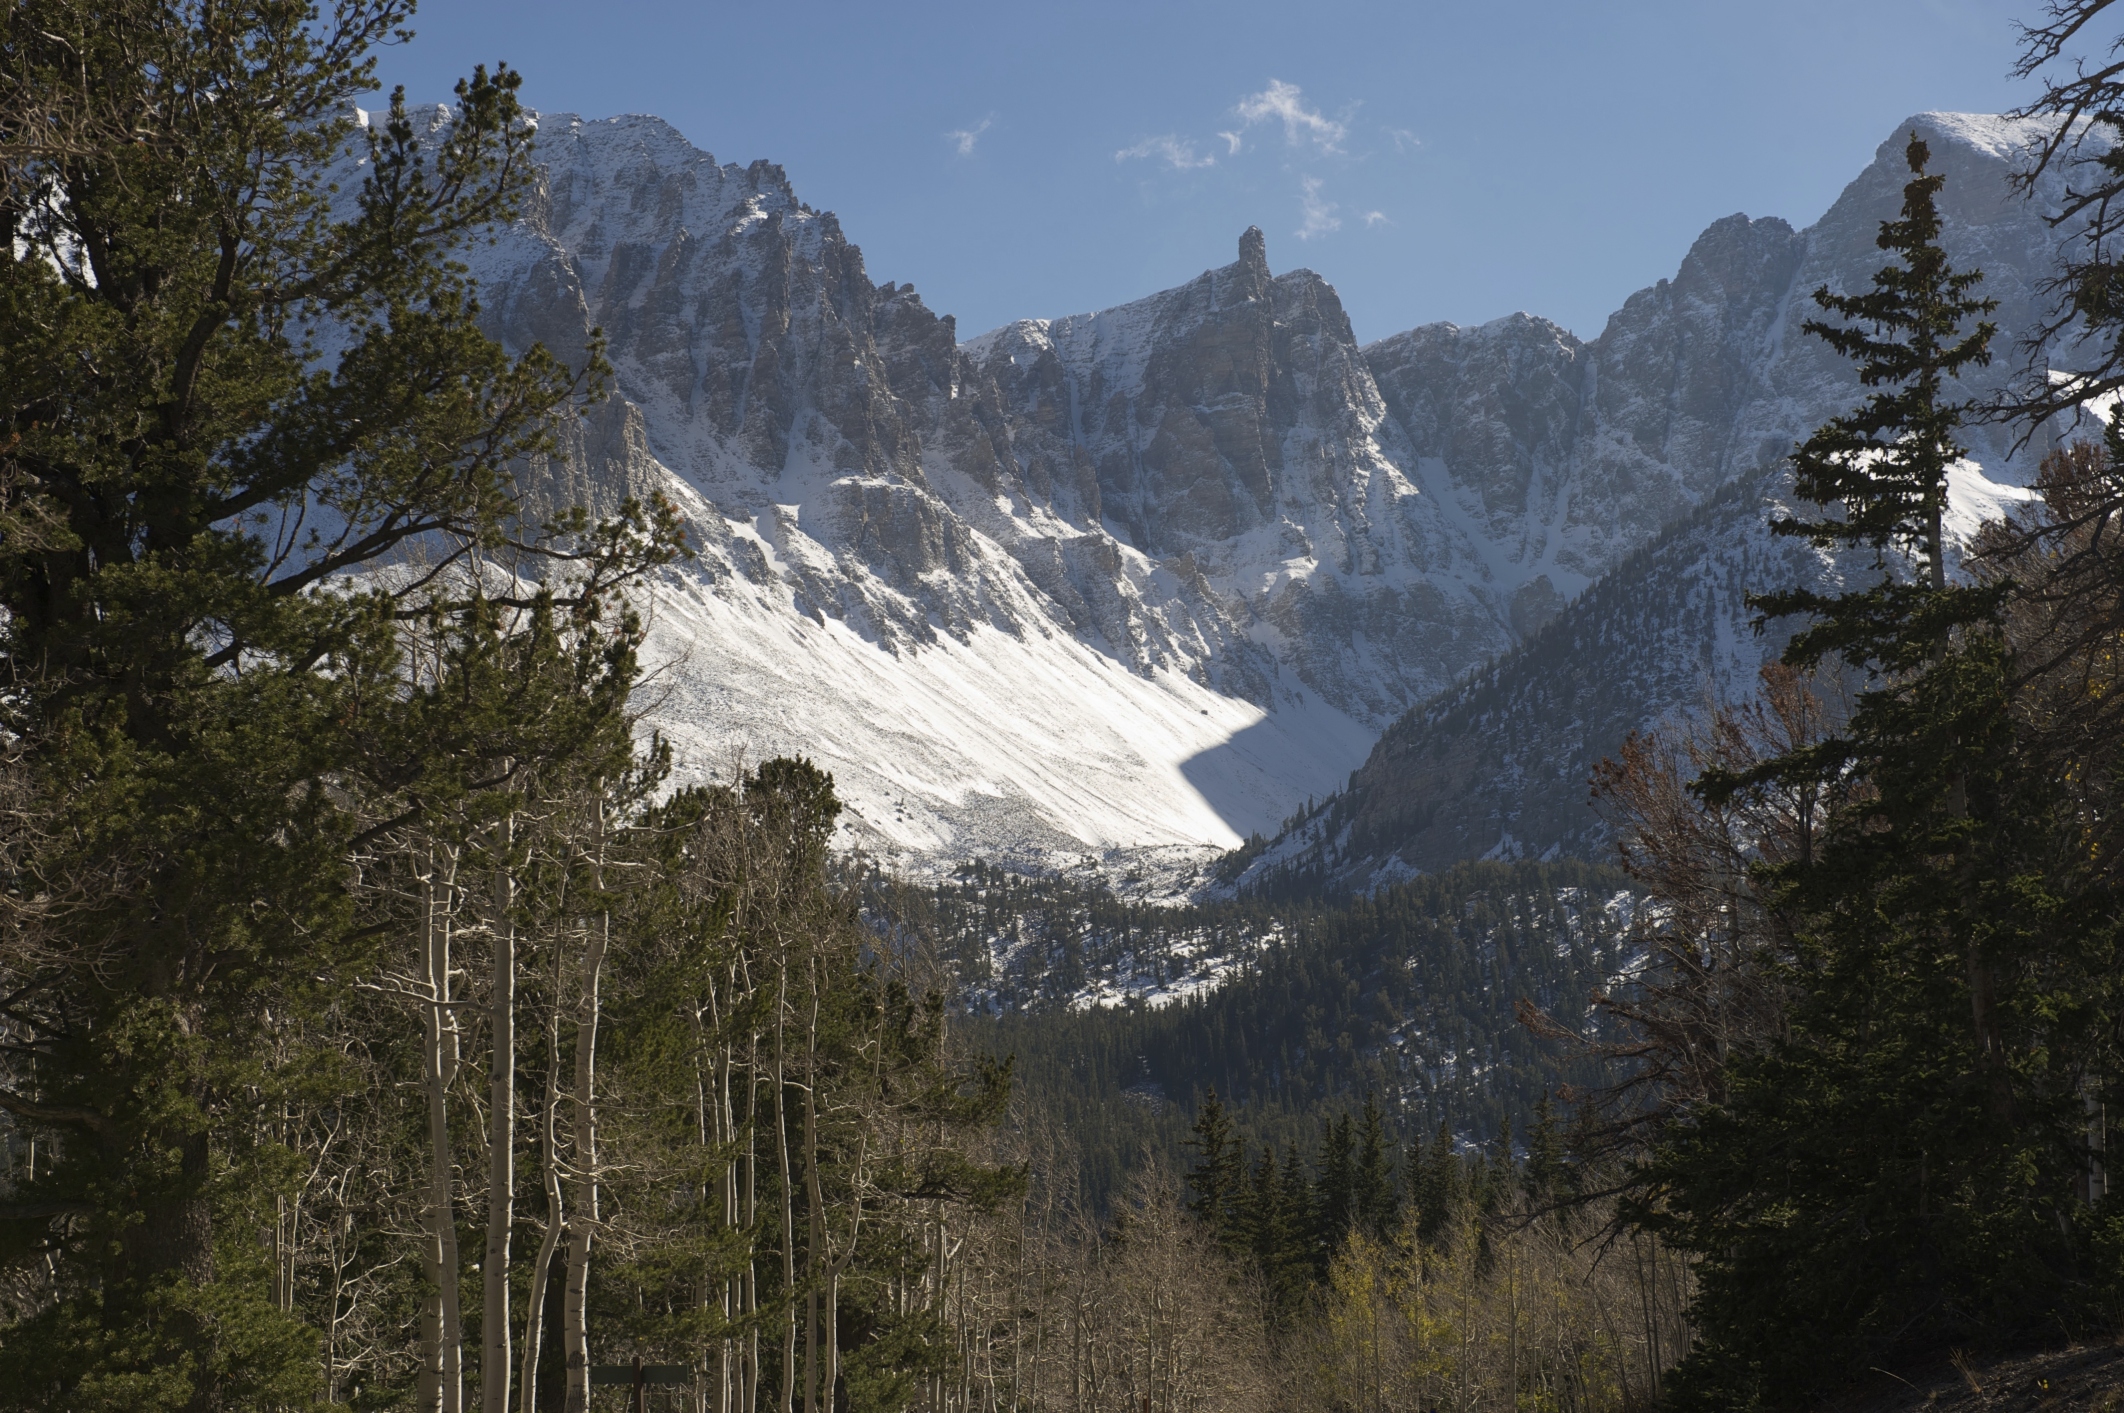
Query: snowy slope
{"type": "Point", "coordinates": [1135, 584]}
{"type": "Point", "coordinates": [1032, 747]}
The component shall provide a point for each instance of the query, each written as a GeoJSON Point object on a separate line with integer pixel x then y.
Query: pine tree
{"type": "Point", "coordinates": [1292, 1255]}
{"type": "Point", "coordinates": [1374, 1205]}
{"type": "Point", "coordinates": [1217, 1182]}
{"type": "Point", "coordinates": [1438, 1183]}
{"type": "Point", "coordinates": [1896, 1170]}
{"type": "Point", "coordinates": [1334, 1189]}
{"type": "Point", "coordinates": [226, 389]}
{"type": "Point", "coordinates": [1256, 1209]}
{"type": "Point", "coordinates": [1496, 1175]}
{"type": "Point", "coordinates": [1543, 1177]}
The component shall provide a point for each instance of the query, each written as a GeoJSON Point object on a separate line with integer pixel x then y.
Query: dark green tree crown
{"type": "Point", "coordinates": [1885, 464]}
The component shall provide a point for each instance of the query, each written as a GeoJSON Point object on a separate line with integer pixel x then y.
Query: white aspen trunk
{"type": "Point", "coordinates": [442, 1377]}
{"type": "Point", "coordinates": [815, 1254]}
{"type": "Point", "coordinates": [781, 1136]}
{"type": "Point", "coordinates": [331, 1342]}
{"type": "Point", "coordinates": [748, 1213]}
{"type": "Point", "coordinates": [575, 1301]}
{"type": "Point", "coordinates": [283, 1286]}
{"type": "Point", "coordinates": [556, 1206]}
{"type": "Point", "coordinates": [715, 1122]}
{"type": "Point", "coordinates": [730, 1374]}
{"type": "Point", "coordinates": [712, 1121]}
{"type": "Point", "coordinates": [811, 1278]}
{"type": "Point", "coordinates": [501, 1135]}
{"type": "Point", "coordinates": [823, 1301]}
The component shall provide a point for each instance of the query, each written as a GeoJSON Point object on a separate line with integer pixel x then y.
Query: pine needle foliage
{"type": "Point", "coordinates": [1894, 1169]}
{"type": "Point", "coordinates": [251, 436]}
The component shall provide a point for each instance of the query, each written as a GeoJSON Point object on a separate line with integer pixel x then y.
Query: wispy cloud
{"type": "Point", "coordinates": [1376, 218]}
{"type": "Point", "coordinates": [1284, 102]}
{"type": "Point", "coordinates": [964, 138]}
{"type": "Point", "coordinates": [1320, 218]}
{"type": "Point", "coordinates": [1232, 143]}
{"type": "Point", "coordinates": [1404, 140]}
{"type": "Point", "coordinates": [1176, 152]}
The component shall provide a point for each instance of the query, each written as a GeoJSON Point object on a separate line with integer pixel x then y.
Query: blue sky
{"type": "Point", "coordinates": [1433, 160]}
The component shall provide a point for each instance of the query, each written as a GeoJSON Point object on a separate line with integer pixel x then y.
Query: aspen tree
{"type": "Point", "coordinates": [442, 1325]}
{"type": "Point", "coordinates": [494, 1368]}
{"type": "Point", "coordinates": [173, 223]}
{"type": "Point", "coordinates": [583, 1130]}
{"type": "Point", "coordinates": [549, 1166]}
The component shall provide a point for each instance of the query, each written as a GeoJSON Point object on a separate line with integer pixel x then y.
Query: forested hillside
{"type": "Point", "coordinates": [1122, 1017]}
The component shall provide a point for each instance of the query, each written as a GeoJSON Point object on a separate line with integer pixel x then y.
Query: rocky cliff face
{"type": "Point", "coordinates": [1232, 430]}
{"type": "Point", "coordinates": [1681, 410]}
{"type": "Point", "coordinates": [1144, 579]}
{"type": "Point", "coordinates": [886, 582]}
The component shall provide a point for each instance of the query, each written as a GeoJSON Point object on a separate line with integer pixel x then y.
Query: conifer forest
{"type": "Point", "coordinates": [386, 1024]}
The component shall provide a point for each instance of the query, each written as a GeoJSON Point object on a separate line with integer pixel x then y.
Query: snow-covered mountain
{"type": "Point", "coordinates": [1499, 766]}
{"type": "Point", "coordinates": [1137, 583]}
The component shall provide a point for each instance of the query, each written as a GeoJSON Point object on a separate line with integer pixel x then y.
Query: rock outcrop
{"type": "Point", "coordinates": [1676, 418]}
{"type": "Point", "coordinates": [1144, 579]}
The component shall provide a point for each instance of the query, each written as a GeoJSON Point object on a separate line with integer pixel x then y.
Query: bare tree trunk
{"type": "Point", "coordinates": [708, 1130]}
{"type": "Point", "coordinates": [716, 1123]}
{"type": "Point", "coordinates": [576, 1301]}
{"type": "Point", "coordinates": [501, 1134]}
{"type": "Point", "coordinates": [748, 1213]}
{"type": "Point", "coordinates": [781, 1143]}
{"type": "Point", "coordinates": [442, 1375]}
{"type": "Point", "coordinates": [814, 1202]}
{"type": "Point", "coordinates": [731, 1375]}
{"type": "Point", "coordinates": [827, 1267]}
{"type": "Point", "coordinates": [556, 1207]}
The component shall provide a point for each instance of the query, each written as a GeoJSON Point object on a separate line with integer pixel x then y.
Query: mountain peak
{"type": "Point", "coordinates": [1253, 249]}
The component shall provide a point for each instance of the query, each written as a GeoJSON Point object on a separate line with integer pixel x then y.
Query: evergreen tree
{"type": "Point", "coordinates": [1897, 1169]}
{"type": "Point", "coordinates": [1334, 1189]}
{"type": "Point", "coordinates": [1374, 1204]}
{"type": "Point", "coordinates": [1496, 1171]}
{"type": "Point", "coordinates": [1293, 1261]}
{"type": "Point", "coordinates": [1217, 1182]}
{"type": "Point", "coordinates": [1544, 1174]}
{"type": "Point", "coordinates": [1256, 1212]}
{"type": "Point", "coordinates": [1438, 1184]}
{"type": "Point", "coordinates": [225, 391]}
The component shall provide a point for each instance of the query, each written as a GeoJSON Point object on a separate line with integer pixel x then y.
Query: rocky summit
{"type": "Point", "coordinates": [1124, 588]}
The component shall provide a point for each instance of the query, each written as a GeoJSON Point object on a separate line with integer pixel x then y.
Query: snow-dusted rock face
{"type": "Point", "coordinates": [884, 583]}
{"type": "Point", "coordinates": [1141, 580]}
{"type": "Point", "coordinates": [1231, 430]}
{"type": "Point", "coordinates": [1566, 455]}
{"type": "Point", "coordinates": [1677, 415]}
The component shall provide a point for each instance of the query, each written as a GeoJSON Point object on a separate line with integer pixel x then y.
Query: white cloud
{"type": "Point", "coordinates": [1177, 153]}
{"type": "Point", "coordinates": [1232, 139]}
{"type": "Point", "coordinates": [1404, 140]}
{"type": "Point", "coordinates": [1320, 217]}
{"type": "Point", "coordinates": [965, 138]}
{"type": "Point", "coordinates": [1283, 101]}
{"type": "Point", "coordinates": [1376, 218]}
